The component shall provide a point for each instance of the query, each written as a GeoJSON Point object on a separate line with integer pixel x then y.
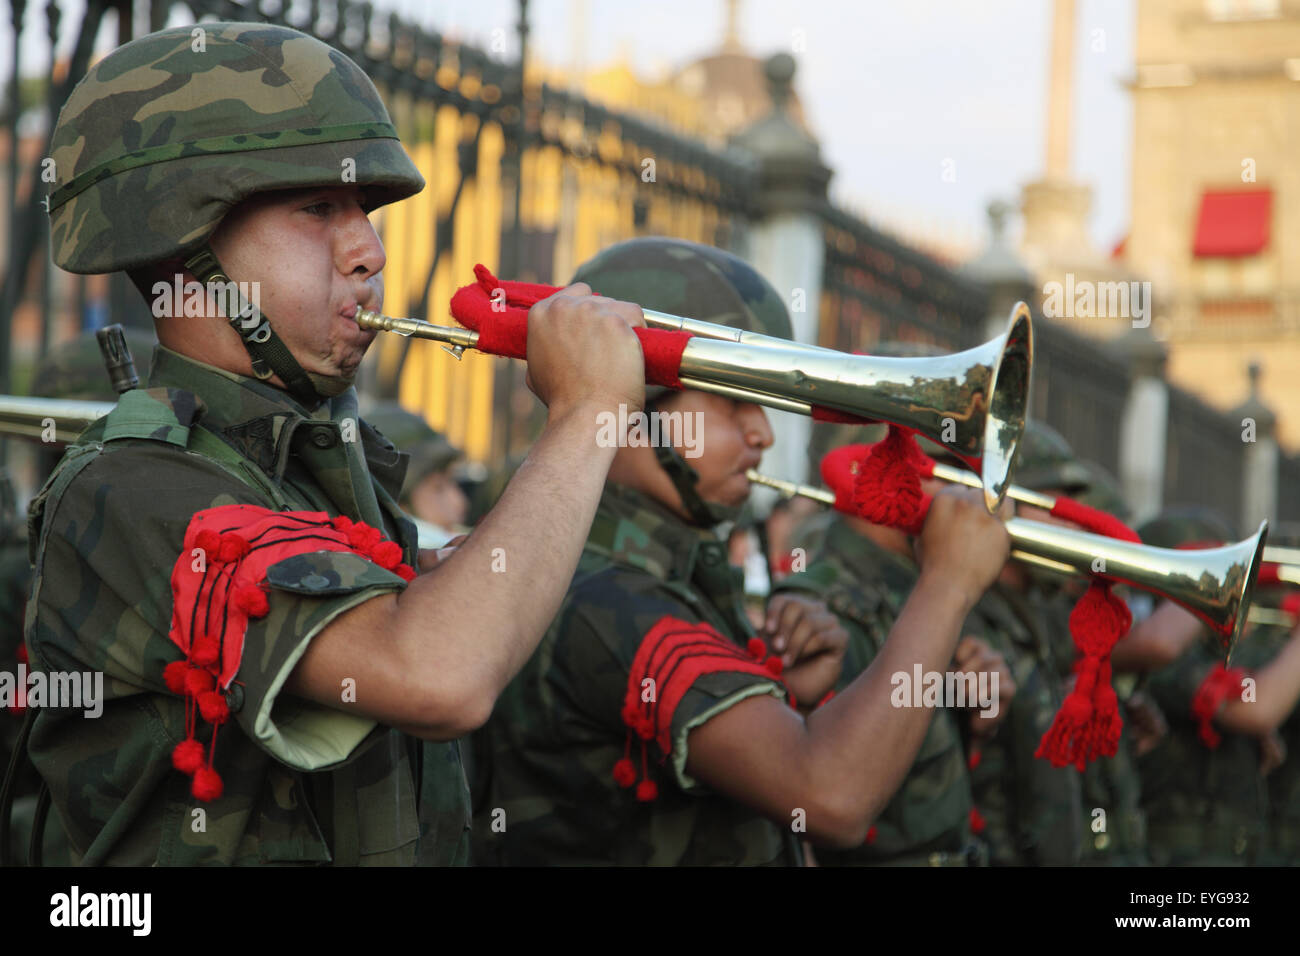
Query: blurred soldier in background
{"type": "Point", "coordinates": [1112, 803]}
{"type": "Point", "coordinates": [430, 493]}
{"type": "Point", "coordinates": [1204, 786]}
{"type": "Point", "coordinates": [864, 573]}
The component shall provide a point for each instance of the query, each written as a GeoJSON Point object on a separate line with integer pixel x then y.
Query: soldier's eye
{"type": "Point", "coordinates": [318, 209]}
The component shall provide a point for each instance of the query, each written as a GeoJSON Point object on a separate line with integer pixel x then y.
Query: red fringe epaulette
{"type": "Point", "coordinates": [219, 585]}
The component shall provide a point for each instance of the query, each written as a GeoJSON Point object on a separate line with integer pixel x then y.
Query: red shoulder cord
{"type": "Point", "coordinates": [218, 585]}
{"type": "Point", "coordinates": [882, 484]}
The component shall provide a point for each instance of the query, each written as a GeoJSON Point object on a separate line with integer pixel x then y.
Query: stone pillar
{"type": "Point", "coordinates": [1000, 270]}
{"type": "Point", "coordinates": [786, 244]}
{"type": "Point", "coordinates": [1259, 470]}
{"type": "Point", "coordinates": [1144, 425]}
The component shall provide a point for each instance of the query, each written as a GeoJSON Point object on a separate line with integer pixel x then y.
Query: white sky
{"type": "Point", "coordinates": [892, 89]}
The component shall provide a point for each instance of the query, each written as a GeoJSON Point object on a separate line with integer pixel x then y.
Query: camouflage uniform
{"type": "Point", "coordinates": [303, 783]}
{"type": "Point", "coordinates": [927, 821]}
{"type": "Point", "coordinates": [1206, 806]}
{"type": "Point", "coordinates": [647, 581]}
{"type": "Point", "coordinates": [547, 754]}
{"type": "Point", "coordinates": [1032, 811]}
{"type": "Point", "coordinates": [152, 149]}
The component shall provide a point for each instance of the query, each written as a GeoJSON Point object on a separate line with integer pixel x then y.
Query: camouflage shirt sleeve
{"type": "Point", "coordinates": [599, 655]}
{"type": "Point", "coordinates": [105, 603]}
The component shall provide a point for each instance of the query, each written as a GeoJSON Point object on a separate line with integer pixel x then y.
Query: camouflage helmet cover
{"type": "Point", "coordinates": [430, 450]}
{"type": "Point", "coordinates": [195, 123]}
{"type": "Point", "coordinates": [1176, 527]}
{"type": "Point", "coordinates": [1046, 462]}
{"type": "Point", "coordinates": [687, 279]}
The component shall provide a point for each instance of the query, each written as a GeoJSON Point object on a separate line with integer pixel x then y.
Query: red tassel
{"type": "Point", "coordinates": [206, 649]}
{"type": "Point", "coordinates": [977, 822]}
{"type": "Point", "coordinates": [387, 554]}
{"type": "Point", "coordinates": [197, 681]}
{"type": "Point", "coordinates": [405, 572]}
{"type": "Point", "coordinates": [233, 547]}
{"type": "Point", "coordinates": [646, 791]}
{"type": "Point", "coordinates": [22, 654]}
{"type": "Point", "coordinates": [187, 756]}
{"type": "Point", "coordinates": [207, 785]}
{"type": "Point", "coordinates": [174, 676]}
{"type": "Point", "coordinates": [210, 542]}
{"type": "Point", "coordinates": [887, 490]}
{"type": "Point", "coordinates": [341, 523]}
{"type": "Point", "coordinates": [213, 707]}
{"type": "Point", "coordinates": [974, 759]}
{"type": "Point", "coordinates": [251, 599]}
{"type": "Point", "coordinates": [625, 773]}
{"type": "Point", "coordinates": [773, 665]}
{"type": "Point", "coordinates": [756, 648]}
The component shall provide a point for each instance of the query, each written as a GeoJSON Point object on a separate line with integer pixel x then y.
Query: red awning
{"type": "Point", "coordinates": [1233, 223]}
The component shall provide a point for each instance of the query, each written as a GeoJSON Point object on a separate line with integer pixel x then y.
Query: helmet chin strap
{"type": "Point", "coordinates": [269, 355]}
{"type": "Point", "coordinates": [706, 514]}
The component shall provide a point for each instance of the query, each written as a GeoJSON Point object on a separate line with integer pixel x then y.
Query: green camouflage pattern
{"type": "Point", "coordinates": [1205, 807]}
{"type": "Point", "coordinates": [688, 279]}
{"type": "Point", "coordinates": [320, 785]}
{"type": "Point", "coordinates": [1033, 812]}
{"type": "Point", "coordinates": [1045, 462]}
{"type": "Point", "coordinates": [927, 821]}
{"type": "Point", "coordinates": [168, 132]}
{"type": "Point", "coordinates": [544, 791]}
{"type": "Point", "coordinates": [1110, 784]}
{"type": "Point", "coordinates": [430, 450]}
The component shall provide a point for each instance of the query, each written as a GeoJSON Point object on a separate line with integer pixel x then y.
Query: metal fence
{"type": "Point", "coordinates": [532, 179]}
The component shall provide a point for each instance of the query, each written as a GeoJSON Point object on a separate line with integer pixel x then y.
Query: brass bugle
{"type": "Point", "coordinates": [977, 397]}
{"type": "Point", "coordinates": [1215, 584]}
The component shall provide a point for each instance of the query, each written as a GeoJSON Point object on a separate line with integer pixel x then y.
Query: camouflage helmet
{"type": "Point", "coordinates": [1103, 492]}
{"type": "Point", "coordinates": [430, 450]}
{"type": "Point", "coordinates": [687, 279]}
{"type": "Point", "coordinates": [1046, 462]}
{"type": "Point", "coordinates": [1177, 527]}
{"type": "Point", "coordinates": [168, 132]}
{"type": "Point", "coordinates": [75, 369]}
{"type": "Point", "coordinates": [696, 282]}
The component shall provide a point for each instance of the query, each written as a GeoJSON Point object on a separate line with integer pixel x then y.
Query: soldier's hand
{"type": "Point", "coordinates": [961, 543]}
{"type": "Point", "coordinates": [811, 643]}
{"type": "Point", "coordinates": [582, 351]}
{"type": "Point", "coordinates": [1272, 752]}
{"type": "Point", "coordinates": [1146, 721]}
{"type": "Point", "coordinates": [975, 656]}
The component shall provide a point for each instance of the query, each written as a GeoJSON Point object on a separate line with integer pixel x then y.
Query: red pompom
{"type": "Point", "coordinates": [210, 542]}
{"type": "Point", "coordinates": [756, 648]}
{"type": "Point", "coordinates": [21, 654]}
{"type": "Point", "coordinates": [644, 727]}
{"type": "Point", "coordinates": [974, 759]}
{"type": "Point", "coordinates": [213, 707]}
{"type": "Point", "coordinates": [630, 714]}
{"type": "Point", "coordinates": [251, 599]}
{"type": "Point", "coordinates": [387, 554]}
{"type": "Point", "coordinates": [363, 538]}
{"type": "Point", "coordinates": [341, 523]}
{"type": "Point", "coordinates": [977, 823]}
{"type": "Point", "coordinates": [187, 756]}
{"type": "Point", "coordinates": [205, 649]}
{"type": "Point", "coordinates": [405, 572]}
{"type": "Point", "coordinates": [625, 773]}
{"type": "Point", "coordinates": [871, 836]}
{"type": "Point", "coordinates": [233, 547]}
{"type": "Point", "coordinates": [198, 681]}
{"type": "Point", "coordinates": [646, 791]}
{"type": "Point", "coordinates": [174, 676]}
{"type": "Point", "coordinates": [773, 666]}
{"type": "Point", "coordinates": [207, 784]}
